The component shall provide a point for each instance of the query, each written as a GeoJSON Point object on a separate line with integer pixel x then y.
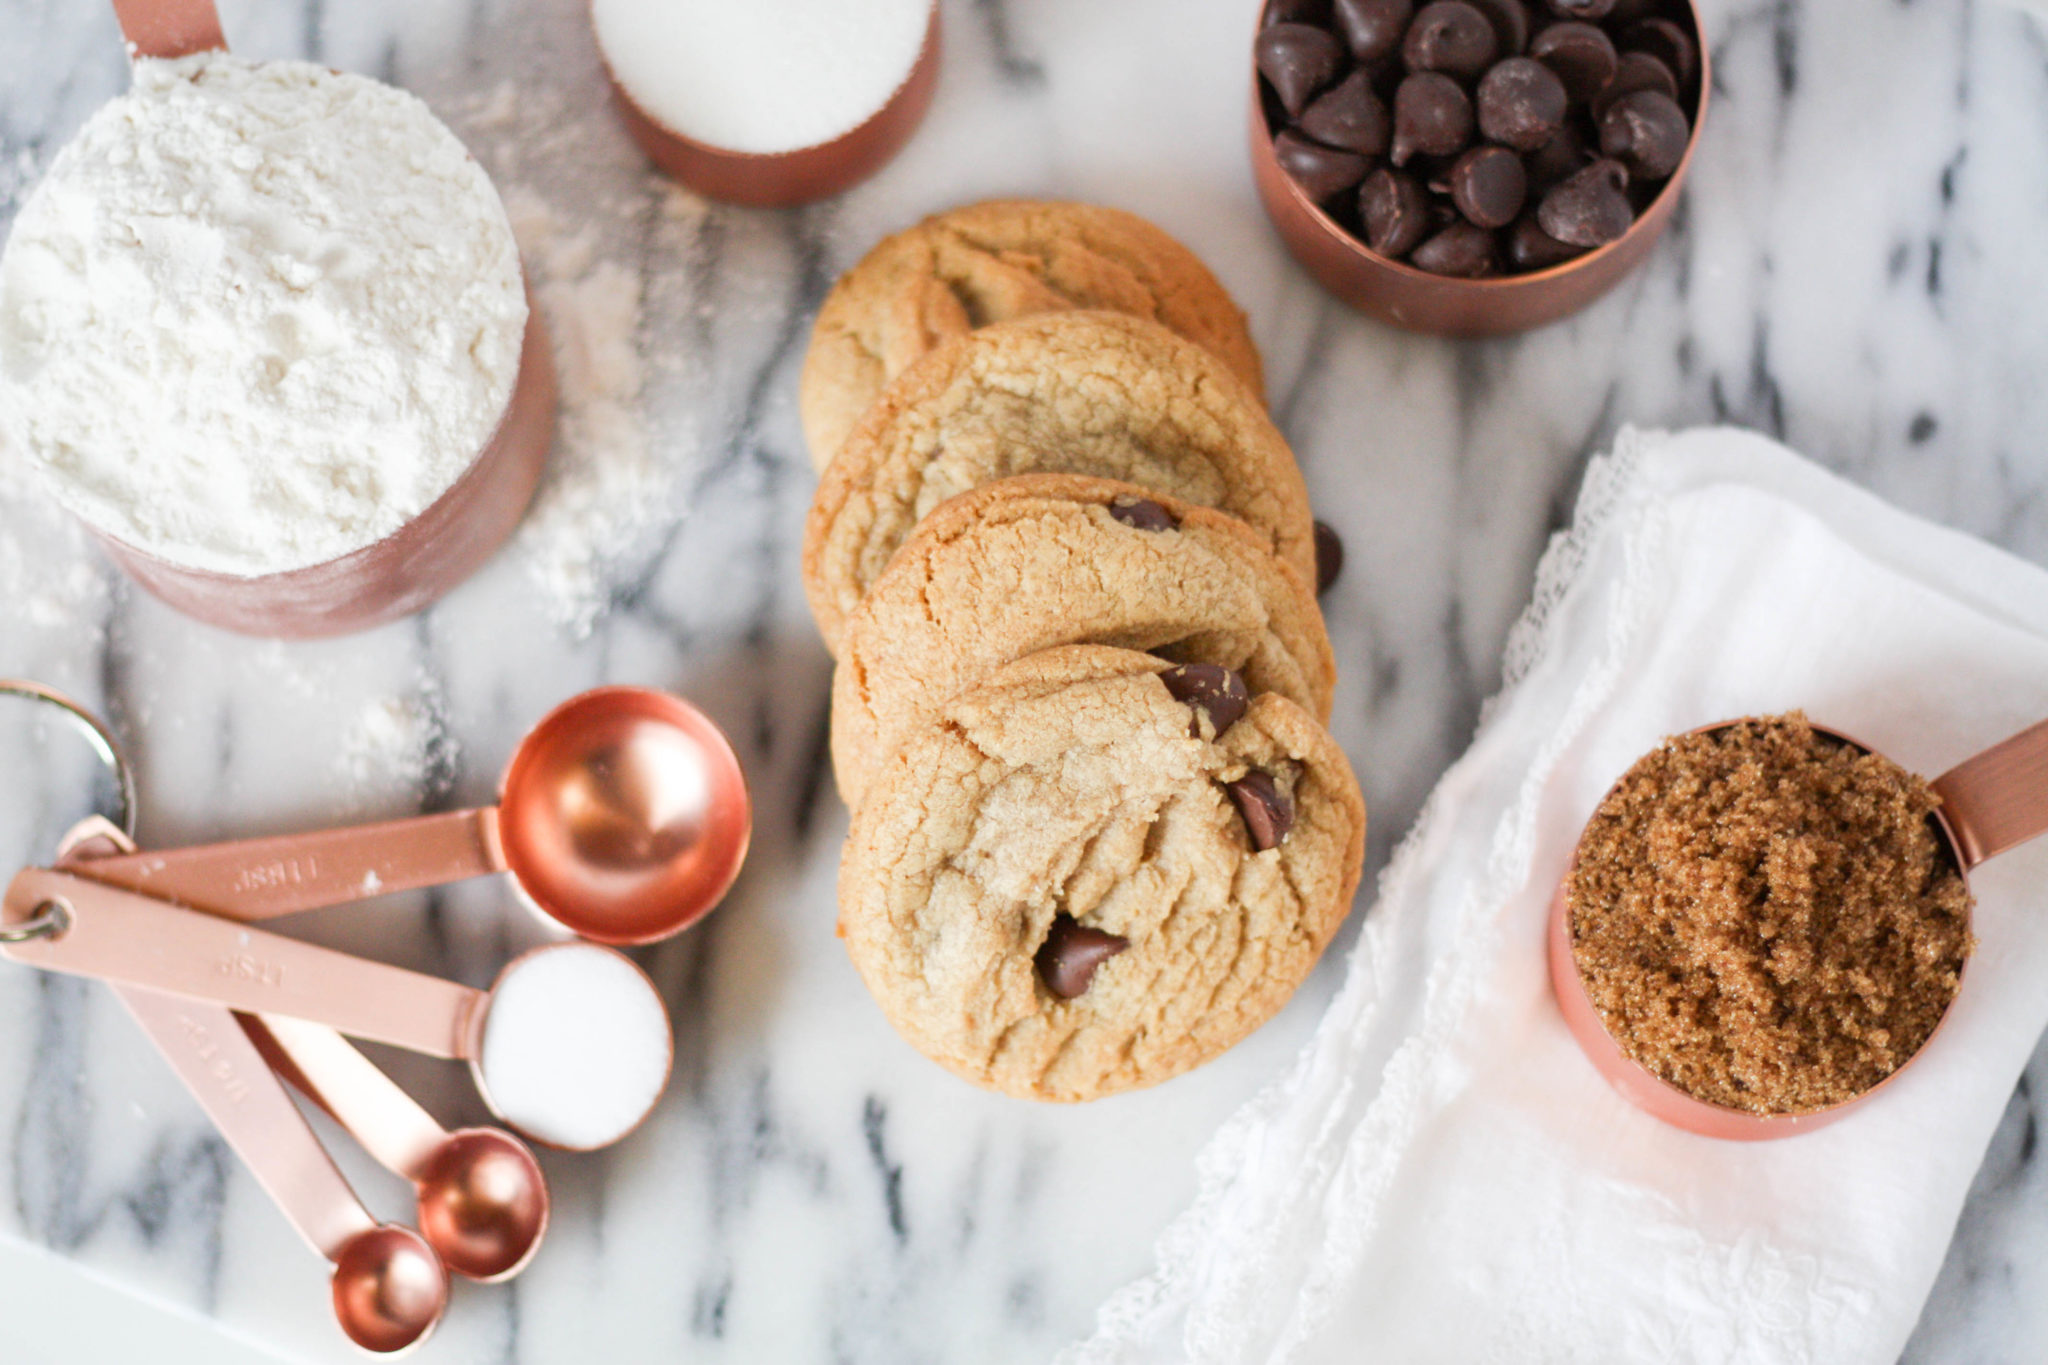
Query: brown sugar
{"type": "Point", "coordinates": [1766, 917]}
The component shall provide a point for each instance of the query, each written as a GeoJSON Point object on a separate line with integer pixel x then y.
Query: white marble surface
{"type": "Point", "coordinates": [1858, 268]}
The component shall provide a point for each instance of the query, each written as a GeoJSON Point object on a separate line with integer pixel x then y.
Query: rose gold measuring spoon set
{"type": "Point", "coordinates": [623, 817]}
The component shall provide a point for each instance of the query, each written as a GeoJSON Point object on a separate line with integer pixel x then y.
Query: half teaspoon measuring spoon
{"type": "Point", "coordinates": [623, 817]}
{"type": "Point", "coordinates": [483, 1202]}
{"type": "Point", "coordinates": [570, 1046]}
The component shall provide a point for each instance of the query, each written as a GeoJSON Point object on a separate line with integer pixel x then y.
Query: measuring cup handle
{"type": "Point", "coordinates": [169, 28]}
{"type": "Point", "coordinates": [1998, 799]}
{"type": "Point", "coordinates": [257, 879]}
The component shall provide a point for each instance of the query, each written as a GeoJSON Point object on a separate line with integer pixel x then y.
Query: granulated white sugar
{"type": "Point", "coordinates": [576, 1046]}
{"type": "Point", "coordinates": [764, 76]}
{"type": "Point", "coordinates": [257, 316]}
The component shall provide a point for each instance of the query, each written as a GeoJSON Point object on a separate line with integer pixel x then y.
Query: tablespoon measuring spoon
{"type": "Point", "coordinates": [623, 817]}
{"type": "Point", "coordinates": [570, 1046]}
{"type": "Point", "coordinates": [1990, 803]}
{"type": "Point", "coordinates": [483, 1202]}
{"type": "Point", "coordinates": [389, 1287]}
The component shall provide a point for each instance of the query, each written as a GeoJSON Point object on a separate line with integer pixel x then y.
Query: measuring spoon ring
{"type": "Point", "coordinates": [483, 1202]}
{"type": "Point", "coordinates": [570, 1046]}
{"type": "Point", "coordinates": [623, 817]}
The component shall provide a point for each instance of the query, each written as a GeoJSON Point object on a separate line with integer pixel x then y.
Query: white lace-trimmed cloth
{"type": "Point", "coordinates": [1442, 1176]}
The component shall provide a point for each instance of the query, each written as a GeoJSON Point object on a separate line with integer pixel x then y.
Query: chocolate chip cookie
{"type": "Point", "coordinates": [1024, 564]}
{"type": "Point", "coordinates": [990, 262]}
{"type": "Point", "coordinates": [1079, 392]}
{"type": "Point", "coordinates": [1078, 882]}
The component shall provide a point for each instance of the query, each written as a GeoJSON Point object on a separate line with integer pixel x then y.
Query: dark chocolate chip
{"type": "Point", "coordinates": [1432, 115]}
{"type": "Point", "coordinates": [1531, 248]}
{"type": "Point", "coordinates": [1373, 28]}
{"type": "Point", "coordinates": [1646, 132]}
{"type": "Point", "coordinates": [1562, 156]}
{"type": "Point", "coordinates": [1488, 185]}
{"type": "Point", "coordinates": [1329, 556]}
{"type": "Point", "coordinates": [1521, 103]}
{"type": "Point", "coordinates": [1510, 20]}
{"type": "Point", "coordinates": [1581, 9]}
{"type": "Point", "coordinates": [1667, 42]}
{"type": "Point", "coordinates": [1267, 812]}
{"type": "Point", "coordinates": [1210, 690]}
{"type": "Point", "coordinates": [1590, 208]}
{"type": "Point", "coordinates": [1461, 249]}
{"type": "Point", "coordinates": [1581, 55]}
{"type": "Point", "coordinates": [1322, 172]}
{"type": "Point", "coordinates": [1143, 514]}
{"type": "Point", "coordinates": [1315, 12]}
{"type": "Point", "coordinates": [1072, 951]}
{"type": "Point", "coordinates": [1450, 36]}
{"type": "Point", "coordinates": [1634, 71]}
{"type": "Point", "coordinates": [1395, 210]}
{"type": "Point", "coordinates": [1349, 115]}
{"type": "Point", "coordinates": [1298, 59]}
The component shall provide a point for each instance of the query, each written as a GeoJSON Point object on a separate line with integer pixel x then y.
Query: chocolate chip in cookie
{"type": "Point", "coordinates": [1143, 514]}
{"type": "Point", "coordinates": [1071, 952]}
{"type": "Point", "coordinates": [1212, 692]}
{"type": "Point", "coordinates": [1267, 812]}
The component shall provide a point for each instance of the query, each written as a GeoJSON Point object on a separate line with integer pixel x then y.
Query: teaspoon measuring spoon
{"type": "Point", "coordinates": [570, 1046]}
{"type": "Point", "coordinates": [483, 1202]}
{"type": "Point", "coordinates": [623, 816]}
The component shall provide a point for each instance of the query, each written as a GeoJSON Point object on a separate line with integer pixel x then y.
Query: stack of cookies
{"type": "Point", "coordinates": [1066, 565]}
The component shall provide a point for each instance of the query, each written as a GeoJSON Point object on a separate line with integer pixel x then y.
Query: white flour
{"type": "Point", "coordinates": [765, 76]}
{"type": "Point", "coordinates": [257, 315]}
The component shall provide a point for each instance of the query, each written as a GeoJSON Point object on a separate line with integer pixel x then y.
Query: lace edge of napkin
{"type": "Point", "coordinates": [1182, 1278]}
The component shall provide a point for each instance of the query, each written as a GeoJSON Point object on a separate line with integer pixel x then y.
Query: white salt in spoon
{"type": "Point", "coordinates": [570, 1046]}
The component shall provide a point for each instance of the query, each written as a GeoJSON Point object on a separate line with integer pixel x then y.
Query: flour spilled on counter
{"type": "Point", "coordinates": [394, 744]}
{"type": "Point", "coordinates": [49, 576]}
{"type": "Point", "coordinates": [610, 486]}
{"type": "Point", "coordinates": [604, 487]}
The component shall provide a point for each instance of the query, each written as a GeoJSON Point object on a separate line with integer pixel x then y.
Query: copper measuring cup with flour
{"type": "Point", "coordinates": [1991, 802]}
{"type": "Point", "coordinates": [423, 559]}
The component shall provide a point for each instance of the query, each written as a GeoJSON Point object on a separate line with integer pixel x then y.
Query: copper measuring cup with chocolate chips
{"type": "Point", "coordinates": [1474, 167]}
{"type": "Point", "coordinates": [1981, 807]}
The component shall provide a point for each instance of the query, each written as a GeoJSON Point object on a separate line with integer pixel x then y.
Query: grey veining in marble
{"type": "Point", "coordinates": [1857, 268]}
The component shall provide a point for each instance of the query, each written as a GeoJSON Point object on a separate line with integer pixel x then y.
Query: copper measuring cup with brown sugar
{"type": "Point", "coordinates": [1990, 803]}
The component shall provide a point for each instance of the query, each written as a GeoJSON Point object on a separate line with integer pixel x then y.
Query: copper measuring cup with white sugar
{"type": "Point", "coordinates": [1990, 803]}
{"type": "Point", "coordinates": [623, 817]}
